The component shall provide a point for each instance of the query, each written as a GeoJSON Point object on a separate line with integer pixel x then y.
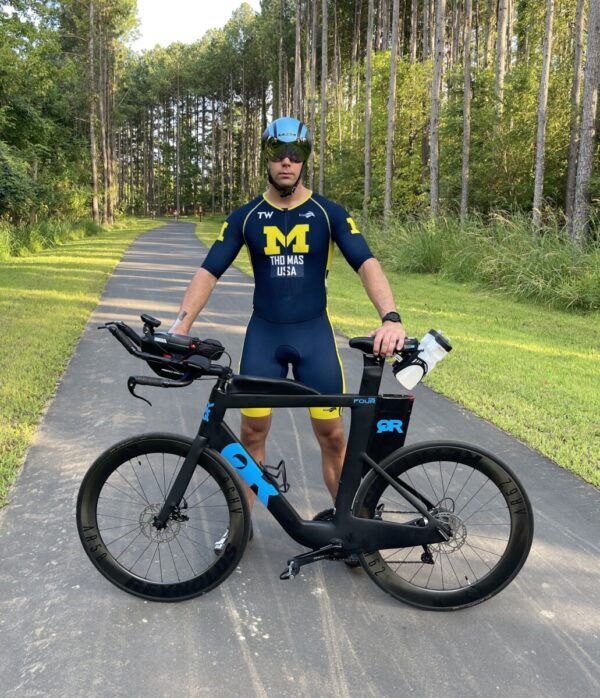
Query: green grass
{"type": "Point", "coordinates": [532, 371]}
{"type": "Point", "coordinates": [45, 300]}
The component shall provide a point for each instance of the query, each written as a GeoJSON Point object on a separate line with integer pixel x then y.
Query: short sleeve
{"type": "Point", "coordinates": [226, 247]}
{"type": "Point", "coordinates": [348, 238]}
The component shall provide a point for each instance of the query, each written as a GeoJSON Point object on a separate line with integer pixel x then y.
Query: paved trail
{"type": "Point", "coordinates": [65, 631]}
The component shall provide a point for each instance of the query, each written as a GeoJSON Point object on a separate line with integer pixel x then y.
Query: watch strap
{"type": "Point", "coordinates": [392, 316]}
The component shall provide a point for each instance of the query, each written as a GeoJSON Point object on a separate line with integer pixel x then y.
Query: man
{"type": "Point", "coordinates": [290, 233]}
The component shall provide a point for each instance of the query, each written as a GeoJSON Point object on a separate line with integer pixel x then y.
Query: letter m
{"type": "Point", "coordinates": [297, 236]}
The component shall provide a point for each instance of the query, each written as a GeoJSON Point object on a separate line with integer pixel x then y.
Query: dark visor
{"type": "Point", "coordinates": [276, 150]}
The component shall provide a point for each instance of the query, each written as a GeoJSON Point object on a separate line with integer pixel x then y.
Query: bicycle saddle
{"type": "Point", "coordinates": [255, 385]}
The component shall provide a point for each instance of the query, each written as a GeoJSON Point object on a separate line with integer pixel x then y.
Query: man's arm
{"type": "Point", "coordinates": [221, 254]}
{"type": "Point", "coordinates": [195, 298]}
{"type": "Point", "coordinates": [391, 334]}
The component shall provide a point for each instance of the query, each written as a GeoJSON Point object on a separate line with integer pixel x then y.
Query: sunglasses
{"type": "Point", "coordinates": [276, 151]}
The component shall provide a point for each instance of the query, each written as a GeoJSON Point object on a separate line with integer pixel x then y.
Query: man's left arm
{"type": "Point", "coordinates": [355, 249]}
{"type": "Point", "coordinates": [391, 334]}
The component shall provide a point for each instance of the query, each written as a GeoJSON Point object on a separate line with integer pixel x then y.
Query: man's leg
{"type": "Point", "coordinates": [254, 432]}
{"type": "Point", "coordinates": [331, 438]}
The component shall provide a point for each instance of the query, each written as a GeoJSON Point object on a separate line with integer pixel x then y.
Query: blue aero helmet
{"type": "Point", "coordinates": [286, 137]}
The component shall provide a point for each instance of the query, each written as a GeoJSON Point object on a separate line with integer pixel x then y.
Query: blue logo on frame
{"type": "Point", "coordinates": [364, 401]}
{"type": "Point", "coordinates": [252, 475]}
{"type": "Point", "coordinates": [209, 405]}
{"type": "Point", "coordinates": [384, 425]}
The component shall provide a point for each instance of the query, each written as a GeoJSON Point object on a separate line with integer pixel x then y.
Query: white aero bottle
{"type": "Point", "coordinates": [411, 368]}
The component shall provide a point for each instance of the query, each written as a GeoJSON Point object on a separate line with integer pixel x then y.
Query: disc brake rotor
{"type": "Point", "coordinates": [459, 532]}
{"type": "Point", "coordinates": [164, 535]}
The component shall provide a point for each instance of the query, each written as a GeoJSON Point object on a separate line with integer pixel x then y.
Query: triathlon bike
{"type": "Point", "coordinates": [439, 525]}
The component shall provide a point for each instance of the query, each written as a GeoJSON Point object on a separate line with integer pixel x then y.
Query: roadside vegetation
{"type": "Point", "coordinates": [21, 240]}
{"type": "Point", "coordinates": [504, 253]}
{"type": "Point", "coordinates": [46, 298]}
{"type": "Point", "coordinates": [532, 371]}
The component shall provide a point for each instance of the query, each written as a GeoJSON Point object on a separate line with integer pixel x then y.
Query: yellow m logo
{"type": "Point", "coordinates": [297, 236]}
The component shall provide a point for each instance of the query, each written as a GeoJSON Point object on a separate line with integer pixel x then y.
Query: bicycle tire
{"type": "Point", "coordinates": [486, 506]}
{"type": "Point", "coordinates": [122, 492]}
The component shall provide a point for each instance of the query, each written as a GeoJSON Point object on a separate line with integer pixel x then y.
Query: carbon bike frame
{"type": "Point", "coordinates": [349, 533]}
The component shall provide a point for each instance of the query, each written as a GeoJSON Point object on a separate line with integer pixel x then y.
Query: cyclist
{"type": "Point", "coordinates": [290, 232]}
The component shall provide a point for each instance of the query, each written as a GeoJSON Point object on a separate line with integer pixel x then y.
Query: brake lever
{"type": "Point", "coordinates": [131, 383]}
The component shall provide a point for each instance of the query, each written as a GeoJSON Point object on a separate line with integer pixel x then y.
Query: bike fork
{"type": "Point", "coordinates": [179, 486]}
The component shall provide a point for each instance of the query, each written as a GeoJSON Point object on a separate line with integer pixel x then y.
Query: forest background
{"type": "Point", "coordinates": [461, 133]}
{"type": "Point", "coordinates": [416, 107]}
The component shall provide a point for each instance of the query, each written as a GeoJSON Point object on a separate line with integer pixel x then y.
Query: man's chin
{"type": "Point", "coordinates": [285, 181]}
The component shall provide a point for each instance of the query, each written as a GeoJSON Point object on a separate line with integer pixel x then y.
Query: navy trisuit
{"type": "Point", "coordinates": [290, 250]}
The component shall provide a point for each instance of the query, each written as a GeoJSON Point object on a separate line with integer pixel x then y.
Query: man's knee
{"type": "Point", "coordinates": [330, 434]}
{"type": "Point", "coordinates": [254, 430]}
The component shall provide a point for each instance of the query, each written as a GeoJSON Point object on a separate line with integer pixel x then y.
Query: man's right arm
{"type": "Point", "coordinates": [195, 298]}
{"type": "Point", "coordinates": [221, 254]}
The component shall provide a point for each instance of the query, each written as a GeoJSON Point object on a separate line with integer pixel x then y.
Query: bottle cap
{"type": "Point", "coordinates": [444, 342]}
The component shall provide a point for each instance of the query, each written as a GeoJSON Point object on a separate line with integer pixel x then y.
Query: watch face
{"type": "Point", "coordinates": [391, 317]}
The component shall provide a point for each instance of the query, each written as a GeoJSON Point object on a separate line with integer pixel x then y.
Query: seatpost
{"type": "Point", "coordinates": [372, 372]}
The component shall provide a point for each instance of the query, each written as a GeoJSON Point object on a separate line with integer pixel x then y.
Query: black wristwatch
{"type": "Point", "coordinates": [391, 317]}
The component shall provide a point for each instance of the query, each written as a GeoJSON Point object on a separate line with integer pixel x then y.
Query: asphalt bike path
{"type": "Point", "coordinates": [66, 631]}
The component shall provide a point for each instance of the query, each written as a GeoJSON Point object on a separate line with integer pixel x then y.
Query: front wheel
{"type": "Point", "coordinates": [478, 497]}
{"type": "Point", "coordinates": [125, 489]}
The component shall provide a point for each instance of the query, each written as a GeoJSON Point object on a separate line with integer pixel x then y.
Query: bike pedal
{"type": "Point", "coordinates": [292, 570]}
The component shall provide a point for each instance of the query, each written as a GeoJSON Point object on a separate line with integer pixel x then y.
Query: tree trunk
{"type": "Point", "coordinates": [455, 33]}
{"type": "Point", "coordinates": [538, 188]}
{"type": "Point", "coordinates": [313, 83]}
{"type": "Point", "coordinates": [501, 54]}
{"type": "Point", "coordinates": [475, 23]}
{"type": "Point", "coordinates": [297, 65]}
{"type": "Point", "coordinates": [466, 146]}
{"type": "Point", "coordinates": [307, 66]}
{"type": "Point", "coordinates": [177, 152]}
{"type": "Point", "coordinates": [213, 154]}
{"type": "Point", "coordinates": [436, 84]}
{"type": "Point", "coordinates": [280, 62]}
{"type": "Point", "coordinates": [575, 109]}
{"type": "Point", "coordinates": [230, 140]}
{"type": "Point", "coordinates": [110, 141]}
{"type": "Point", "coordinates": [92, 117]}
{"type": "Point", "coordinates": [426, 36]}
{"type": "Point", "coordinates": [102, 115]}
{"type": "Point", "coordinates": [323, 134]}
{"type": "Point", "coordinates": [337, 79]}
{"type": "Point", "coordinates": [201, 149]}
{"type": "Point", "coordinates": [368, 80]}
{"type": "Point", "coordinates": [222, 154]}
{"type": "Point", "coordinates": [414, 21]}
{"type": "Point", "coordinates": [389, 146]}
{"type": "Point", "coordinates": [509, 32]}
{"type": "Point", "coordinates": [151, 204]}
{"type": "Point", "coordinates": [587, 140]}
{"type": "Point", "coordinates": [354, 64]}
{"type": "Point", "coordinates": [488, 36]}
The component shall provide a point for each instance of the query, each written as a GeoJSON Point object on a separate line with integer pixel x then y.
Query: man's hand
{"type": "Point", "coordinates": [389, 337]}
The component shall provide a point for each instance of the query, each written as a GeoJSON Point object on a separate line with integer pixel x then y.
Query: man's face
{"type": "Point", "coordinates": [284, 172]}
